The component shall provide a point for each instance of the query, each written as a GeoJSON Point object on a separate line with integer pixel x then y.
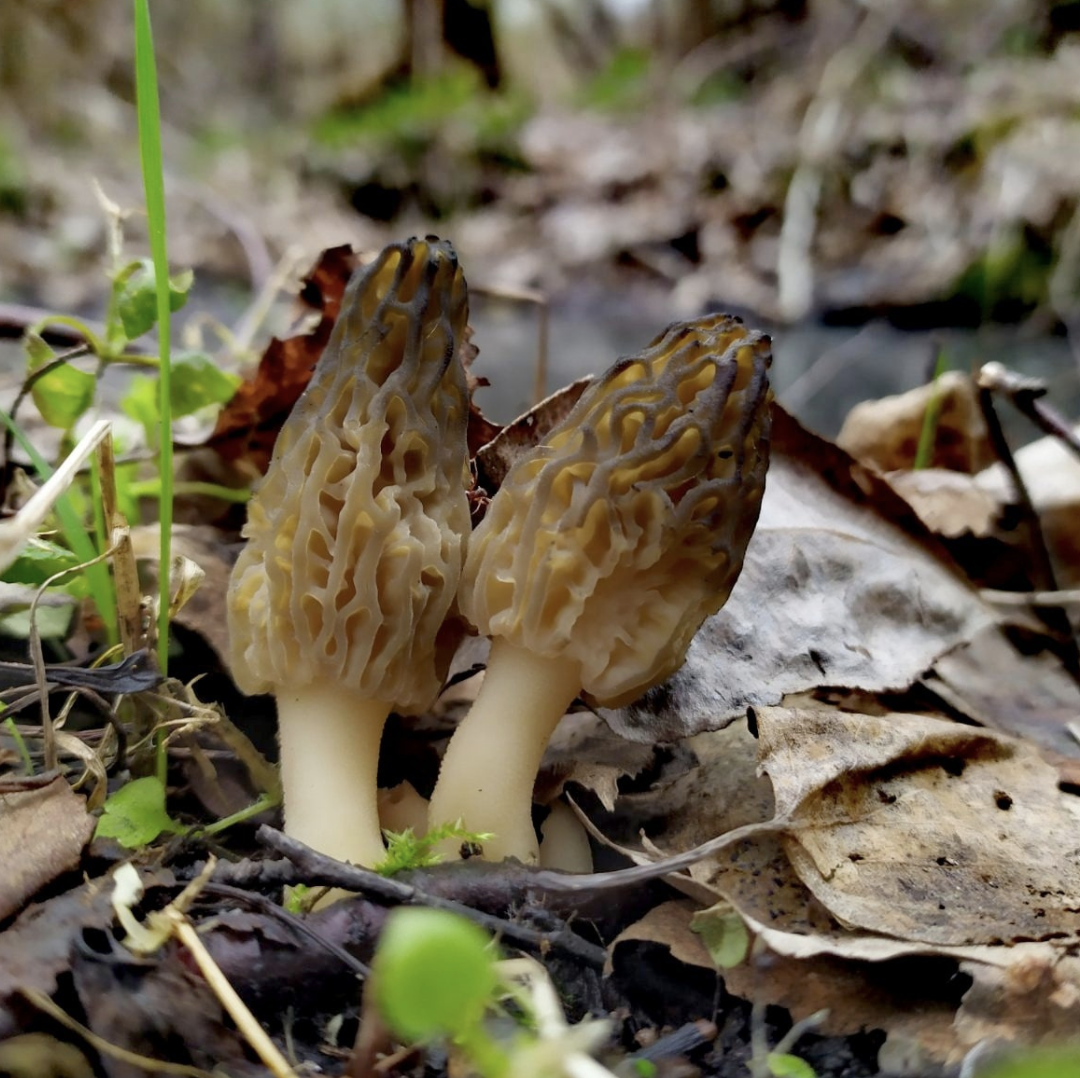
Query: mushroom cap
{"type": "Point", "coordinates": [356, 535]}
{"type": "Point", "coordinates": [613, 540]}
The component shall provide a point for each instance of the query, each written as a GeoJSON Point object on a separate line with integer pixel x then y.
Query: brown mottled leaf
{"type": "Point", "coordinates": [924, 830]}
{"type": "Point", "coordinates": [42, 835]}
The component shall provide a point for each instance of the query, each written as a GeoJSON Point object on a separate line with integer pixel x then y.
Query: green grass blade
{"type": "Point", "coordinates": [149, 114]}
{"type": "Point", "coordinates": [928, 432]}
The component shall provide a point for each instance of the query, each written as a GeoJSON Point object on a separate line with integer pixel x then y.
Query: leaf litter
{"type": "Point", "coordinates": [906, 855]}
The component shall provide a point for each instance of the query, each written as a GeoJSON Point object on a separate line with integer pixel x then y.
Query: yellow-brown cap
{"type": "Point", "coordinates": [612, 541]}
{"type": "Point", "coordinates": [356, 535]}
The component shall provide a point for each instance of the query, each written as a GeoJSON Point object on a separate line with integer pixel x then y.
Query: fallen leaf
{"type": "Point", "coordinates": [669, 924]}
{"type": "Point", "coordinates": [42, 835]}
{"type": "Point", "coordinates": [1033, 1000]}
{"type": "Point", "coordinates": [924, 830]}
{"type": "Point", "coordinates": [948, 503]}
{"type": "Point", "coordinates": [498, 456]}
{"type": "Point", "coordinates": [1025, 693]}
{"type": "Point", "coordinates": [37, 947]}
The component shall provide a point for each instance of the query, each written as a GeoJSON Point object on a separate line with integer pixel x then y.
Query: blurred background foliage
{"type": "Point", "coordinates": [792, 158]}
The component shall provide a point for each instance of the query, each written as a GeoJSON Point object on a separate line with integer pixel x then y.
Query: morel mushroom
{"type": "Point", "coordinates": [355, 543]}
{"type": "Point", "coordinates": [602, 553]}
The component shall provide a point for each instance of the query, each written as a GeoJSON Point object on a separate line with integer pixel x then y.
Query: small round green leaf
{"type": "Point", "coordinates": [724, 934]}
{"type": "Point", "coordinates": [197, 382]}
{"type": "Point", "coordinates": [782, 1065]}
{"type": "Point", "coordinates": [434, 973]}
{"type": "Point", "coordinates": [136, 302]}
{"type": "Point", "coordinates": [1059, 1062]}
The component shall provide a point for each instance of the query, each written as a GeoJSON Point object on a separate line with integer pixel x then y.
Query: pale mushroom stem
{"type": "Point", "coordinates": [329, 770]}
{"type": "Point", "coordinates": [491, 762]}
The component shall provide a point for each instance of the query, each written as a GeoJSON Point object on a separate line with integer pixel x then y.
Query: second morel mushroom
{"type": "Point", "coordinates": [602, 553]}
{"type": "Point", "coordinates": [355, 543]}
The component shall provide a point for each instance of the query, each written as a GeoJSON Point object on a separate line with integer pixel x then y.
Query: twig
{"type": "Point", "coordinates": [297, 924]}
{"type": "Point", "coordinates": [320, 869]}
{"type": "Point", "coordinates": [1031, 598]}
{"type": "Point", "coordinates": [1045, 578]}
{"type": "Point", "coordinates": [1024, 394]}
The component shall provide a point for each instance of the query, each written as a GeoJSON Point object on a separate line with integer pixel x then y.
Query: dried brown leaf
{"type": "Point", "coordinates": [42, 835]}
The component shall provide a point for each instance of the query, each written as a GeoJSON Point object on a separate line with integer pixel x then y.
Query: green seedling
{"type": "Point", "coordinates": [928, 431]}
{"type": "Point", "coordinates": [724, 934]}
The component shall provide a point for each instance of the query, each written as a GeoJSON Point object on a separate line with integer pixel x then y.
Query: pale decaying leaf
{"type": "Point", "coordinates": [1027, 695]}
{"type": "Point", "coordinates": [910, 838]}
{"type": "Point", "coordinates": [948, 503]}
{"type": "Point", "coordinates": [832, 593]}
{"type": "Point", "coordinates": [925, 830]}
{"type": "Point", "coordinates": [668, 924]}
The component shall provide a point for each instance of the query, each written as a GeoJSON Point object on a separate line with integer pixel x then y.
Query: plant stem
{"type": "Point", "coordinates": [149, 115]}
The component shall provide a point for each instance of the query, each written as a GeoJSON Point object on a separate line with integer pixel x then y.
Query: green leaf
{"type": "Point", "coordinates": [141, 404]}
{"type": "Point", "coordinates": [137, 301]}
{"type": "Point", "coordinates": [53, 622]}
{"type": "Point", "coordinates": [724, 934]}
{"type": "Point", "coordinates": [1038, 1063]}
{"type": "Point", "coordinates": [39, 560]}
{"type": "Point", "coordinates": [198, 382]}
{"type": "Point", "coordinates": [434, 973]}
{"type": "Point", "coordinates": [135, 815]}
{"type": "Point", "coordinates": [62, 395]}
{"type": "Point", "coordinates": [782, 1065]}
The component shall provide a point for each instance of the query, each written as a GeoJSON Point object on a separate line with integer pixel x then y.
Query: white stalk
{"type": "Point", "coordinates": [329, 768]}
{"type": "Point", "coordinates": [490, 765]}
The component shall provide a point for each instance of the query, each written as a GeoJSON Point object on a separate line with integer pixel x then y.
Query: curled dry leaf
{"type": "Point", "coordinates": [517, 438]}
{"type": "Point", "coordinates": [949, 503]}
{"type": "Point", "coordinates": [886, 432]}
{"type": "Point", "coordinates": [842, 586]}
